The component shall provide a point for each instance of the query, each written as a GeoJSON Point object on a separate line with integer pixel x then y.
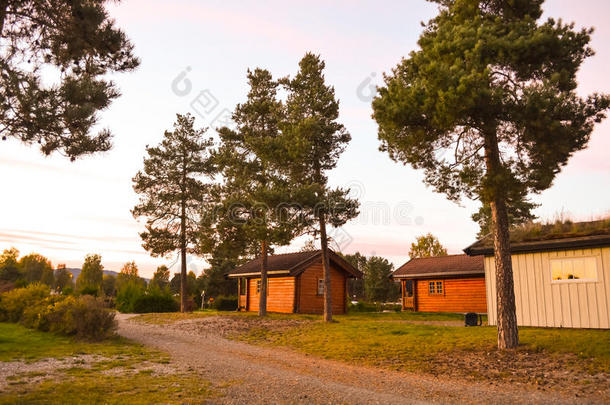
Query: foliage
{"type": "Point", "coordinates": [427, 246]}
{"type": "Point", "coordinates": [161, 277]}
{"type": "Point", "coordinates": [378, 285]}
{"type": "Point", "coordinates": [9, 265]}
{"type": "Point", "coordinates": [519, 213]}
{"type": "Point", "coordinates": [223, 303]}
{"type": "Point", "coordinates": [214, 282]}
{"type": "Point", "coordinates": [109, 285]}
{"type": "Point", "coordinates": [33, 266]}
{"type": "Point", "coordinates": [63, 280]}
{"type": "Point", "coordinates": [356, 286]}
{"type": "Point", "coordinates": [13, 303]}
{"type": "Point", "coordinates": [127, 295]}
{"type": "Point", "coordinates": [313, 140]}
{"type": "Point", "coordinates": [129, 274]}
{"type": "Point", "coordinates": [362, 306]}
{"type": "Point", "coordinates": [32, 306]}
{"type": "Point", "coordinates": [155, 299]}
{"type": "Point", "coordinates": [172, 191]}
{"type": "Point", "coordinates": [90, 279]}
{"type": "Point", "coordinates": [77, 43]}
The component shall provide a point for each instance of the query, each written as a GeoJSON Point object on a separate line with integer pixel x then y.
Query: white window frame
{"type": "Point", "coordinates": [575, 280]}
{"type": "Point", "coordinates": [320, 284]}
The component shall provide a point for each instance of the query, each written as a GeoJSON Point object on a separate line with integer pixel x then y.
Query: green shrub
{"type": "Point", "coordinates": [34, 307]}
{"type": "Point", "coordinates": [223, 303]}
{"type": "Point", "coordinates": [155, 303]}
{"type": "Point", "coordinates": [85, 317]}
{"type": "Point", "coordinates": [14, 302]}
{"type": "Point", "coordinates": [90, 290]}
{"type": "Point", "coordinates": [127, 296]}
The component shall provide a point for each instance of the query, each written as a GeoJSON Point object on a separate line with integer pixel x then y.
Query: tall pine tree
{"type": "Point", "coordinates": [255, 185]}
{"type": "Point", "coordinates": [496, 89]}
{"type": "Point", "coordinates": [313, 141]}
{"type": "Point", "coordinates": [172, 187]}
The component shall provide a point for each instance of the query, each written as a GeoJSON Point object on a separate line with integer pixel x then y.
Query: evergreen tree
{"type": "Point", "coordinates": [161, 277]}
{"type": "Point", "coordinates": [377, 283]}
{"type": "Point", "coordinates": [255, 185]}
{"type": "Point", "coordinates": [172, 189]}
{"type": "Point", "coordinates": [427, 246]}
{"type": "Point", "coordinates": [78, 43]}
{"type": "Point", "coordinates": [89, 280]}
{"type": "Point", "coordinates": [496, 89]}
{"type": "Point", "coordinates": [313, 142]}
{"type": "Point", "coordinates": [356, 286]}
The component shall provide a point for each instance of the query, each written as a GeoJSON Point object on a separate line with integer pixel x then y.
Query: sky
{"type": "Point", "coordinates": [194, 59]}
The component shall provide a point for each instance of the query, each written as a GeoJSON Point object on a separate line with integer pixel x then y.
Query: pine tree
{"type": "Point", "coordinates": [313, 142]}
{"type": "Point", "coordinates": [74, 41]}
{"type": "Point", "coordinates": [172, 189]}
{"type": "Point", "coordinates": [496, 90]}
{"type": "Point", "coordinates": [255, 185]}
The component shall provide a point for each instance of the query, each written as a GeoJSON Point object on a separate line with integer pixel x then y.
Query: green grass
{"type": "Point", "coordinates": [377, 339]}
{"type": "Point", "coordinates": [125, 373]}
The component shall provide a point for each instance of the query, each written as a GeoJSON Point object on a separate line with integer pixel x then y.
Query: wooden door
{"type": "Point", "coordinates": [408, 295]}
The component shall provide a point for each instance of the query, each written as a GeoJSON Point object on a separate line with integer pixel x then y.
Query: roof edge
{"type": "Point", "coordinates": [544, 245]}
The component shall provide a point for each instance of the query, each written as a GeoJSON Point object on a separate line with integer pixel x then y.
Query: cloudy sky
{"type": "Point", "coordinates": [194, 59]}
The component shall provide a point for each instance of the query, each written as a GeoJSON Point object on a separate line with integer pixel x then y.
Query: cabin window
{"type": "Point", "coordinates": [574, 269]}
{"type": "Point", "coordinates": [258, 286]}
{"type": "Point", "coordinates": [435, 288]}
{"type": "Point", "coordinates": [320, 286]}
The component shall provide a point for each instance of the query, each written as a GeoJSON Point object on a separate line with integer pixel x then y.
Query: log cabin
{"type": "Point", "coordinates": [295, 283]}
{"type": "Point", "coordinates": [561, 274]}
{"type": "Point", "coordinates": [454, 283]}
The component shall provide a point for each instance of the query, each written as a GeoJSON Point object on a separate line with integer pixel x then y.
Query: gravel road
{"type": "Point", "coordinates": [247, 374]}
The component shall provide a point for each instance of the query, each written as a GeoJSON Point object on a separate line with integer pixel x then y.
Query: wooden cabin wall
{"type": "Point", "coordinates": [280, 297]}
{"type": "Point", "coordinates": [310, 302]}
{"type": "Point", "coordinates": [459, 295]}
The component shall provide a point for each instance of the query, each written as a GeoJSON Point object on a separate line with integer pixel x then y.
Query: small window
{"type": "Point", "coordinates": [320, 286]}
{"type": "Point", "coordinates": [574, 269]}
{"type": "Point", "coordinates": [258, 286]}
{"type": "Point", "coordinates": [435, 288]}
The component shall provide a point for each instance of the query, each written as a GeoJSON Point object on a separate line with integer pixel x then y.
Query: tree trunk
{"type": "Point", "coordinates": [508, 334]}
{"type": "Point", "coordinates": [262, 305]}
{"type": "Point", "coordinates": [328, 309]}
{"type": "Point", "coordinates": [183, 291]}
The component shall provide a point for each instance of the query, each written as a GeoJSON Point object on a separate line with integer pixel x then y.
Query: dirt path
{"type": "Point", "coordinates": [251, 374]}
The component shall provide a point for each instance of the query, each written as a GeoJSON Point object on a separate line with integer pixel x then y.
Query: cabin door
{"type": "Point", "coordinates": [243, 294]}
{"type": "Point", "coordinates": [408, 295]}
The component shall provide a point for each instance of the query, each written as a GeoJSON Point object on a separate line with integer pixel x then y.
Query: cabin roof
{"type": "Point", "coordinates": [452, 265]}
{"type": "Point", "coordinates": [292, 264]}
{"type": "Point", "coordinates": [546, 237]}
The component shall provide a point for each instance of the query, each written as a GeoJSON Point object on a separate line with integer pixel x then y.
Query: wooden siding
{"type": "Point", "coordinates": [541, 302]}
{"type": "Point", "coordinates": [459, 295]}
{"type": "Point", "coordinates": [310, 302]}
{"type": "Point", "coordinates": [280, 297]}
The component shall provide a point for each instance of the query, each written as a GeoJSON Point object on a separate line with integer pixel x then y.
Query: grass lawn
{"type": "Point", "coordinates": [121, 372]}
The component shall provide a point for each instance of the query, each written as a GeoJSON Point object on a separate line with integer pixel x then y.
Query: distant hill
{"type": "Point", "coordinates": [75, 273]}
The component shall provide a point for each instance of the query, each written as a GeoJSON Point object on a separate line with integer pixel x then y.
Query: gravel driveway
{"type": "Point", "coordinates": [247, 374]}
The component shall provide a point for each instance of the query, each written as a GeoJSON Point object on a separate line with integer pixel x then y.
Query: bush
{"type": "Point", "coordinates": [14, 302]}
{"type": "Point", "coordinates": [84, 317]}
{"type": "Point", "coordinates": [362, 306]}
{"type": "Point", "coordinates": [223, 303]}
{"type": "Point", "coordinates": [127, 296]}
{"type": "Point", "coordinates": [155, 303]}
{"type": "Point", "coordinates": [33, 306]}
